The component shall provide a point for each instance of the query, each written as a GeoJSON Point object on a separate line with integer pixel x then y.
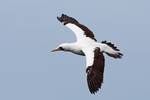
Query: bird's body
{"type": "Point", "coordinates": [73, 47]}
{"type": "Point", "coordinates": [87, 45]}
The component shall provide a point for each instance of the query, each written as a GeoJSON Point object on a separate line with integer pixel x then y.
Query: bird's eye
{"type": "Point", "coordinates": [61, 48]}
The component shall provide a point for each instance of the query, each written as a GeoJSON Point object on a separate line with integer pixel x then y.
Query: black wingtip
{"type": "Point", "coordinates": [59, 18]}
{"type": "Point", "coordinates": [63, 14]}
{"type": "Point", "coordinates": [62, 18]}
{"type": "Point", "coordinates": [66, 19]}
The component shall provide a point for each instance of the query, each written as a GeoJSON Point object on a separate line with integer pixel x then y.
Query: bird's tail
{"type": "Point", "coordinates": [111, 50]}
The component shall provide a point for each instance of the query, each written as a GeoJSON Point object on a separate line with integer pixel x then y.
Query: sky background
{"type": "Point", "coordinates": [29, 30]}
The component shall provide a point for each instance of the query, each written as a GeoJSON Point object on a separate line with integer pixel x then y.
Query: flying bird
{"type": "Point", "coordinates": [87, 45]}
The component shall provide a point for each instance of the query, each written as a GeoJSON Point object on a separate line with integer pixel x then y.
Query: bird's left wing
{"type": "Point", "coordinates": [80, 30]}
{"type": "Point", "coordinates": [95, 68]}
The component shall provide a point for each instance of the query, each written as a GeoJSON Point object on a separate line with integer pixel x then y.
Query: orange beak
{"type": "Point", "coordinates": [57, 49]}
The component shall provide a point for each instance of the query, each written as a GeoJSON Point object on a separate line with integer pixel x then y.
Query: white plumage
{"type": "Point", "coordinates": [86, 45]}
{"type": "Point", "coordinates": [79, 33]}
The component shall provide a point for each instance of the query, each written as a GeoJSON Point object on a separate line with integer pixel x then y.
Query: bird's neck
{"type": "Point", "coordinates": [69, 46]}
{"type": "Point", "coordinates": [73, 47]}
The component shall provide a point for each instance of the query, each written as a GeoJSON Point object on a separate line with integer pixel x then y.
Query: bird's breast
{"type": "Point", "coordinates": [78, 52]}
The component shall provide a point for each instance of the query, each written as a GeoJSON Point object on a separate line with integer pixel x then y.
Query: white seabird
{"type": "Point", "coordinates": [88, 46]}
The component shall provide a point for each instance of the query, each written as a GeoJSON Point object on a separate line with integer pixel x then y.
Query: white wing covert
{"type": "Point", "coordinates": [80, 30]}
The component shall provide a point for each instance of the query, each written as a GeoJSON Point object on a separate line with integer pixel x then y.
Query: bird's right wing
{"type": "Point", "coordinates": [95, 68]}
{"type": "Point", "coordinates": [80, 30]}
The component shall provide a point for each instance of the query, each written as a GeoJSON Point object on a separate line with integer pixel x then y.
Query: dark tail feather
{"type": "Point", "coordinates": [117, 55]}
{"type": "Point", "coordinates": [111, 45]}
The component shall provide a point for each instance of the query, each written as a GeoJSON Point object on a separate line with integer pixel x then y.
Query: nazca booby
{"type": "Point", "coordinates": [88, 46]}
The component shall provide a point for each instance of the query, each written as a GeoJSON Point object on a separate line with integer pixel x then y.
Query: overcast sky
{"type": "Point", "coordinates": [29, 30]}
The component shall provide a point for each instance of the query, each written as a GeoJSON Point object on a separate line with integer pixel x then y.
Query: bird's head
{"type": "Point", "coordinates": [61, 47]}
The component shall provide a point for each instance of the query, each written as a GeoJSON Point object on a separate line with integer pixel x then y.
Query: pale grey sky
{"type": "Point", "coordinates": [29, 30]}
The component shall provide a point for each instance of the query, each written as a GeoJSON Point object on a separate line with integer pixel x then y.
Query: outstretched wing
{"type": "Point", "coordinates": [95, 69]}
{"type": "Point", "coordinates": [80, 30]}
